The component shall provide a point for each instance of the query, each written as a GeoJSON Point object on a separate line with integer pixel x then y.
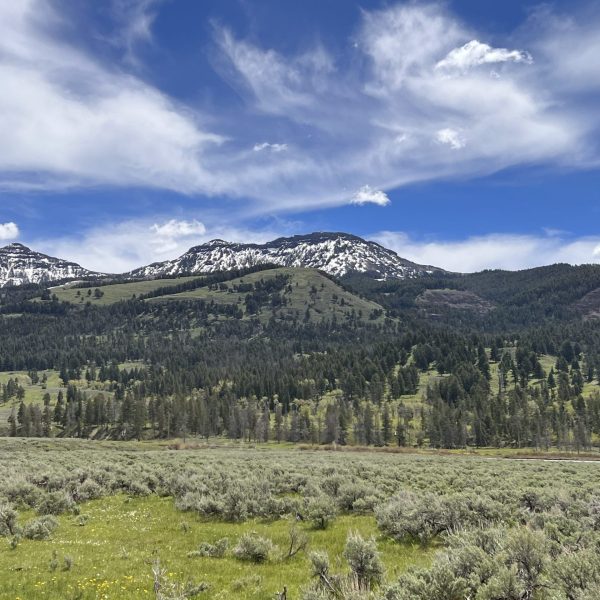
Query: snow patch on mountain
{"type": "Point", "coordinates": [20, 265]}
{"type": "Point", "coordinates": [338, 254]}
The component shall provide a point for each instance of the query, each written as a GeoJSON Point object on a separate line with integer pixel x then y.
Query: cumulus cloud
{"type": "Point", "coordinates": [474, 54]}
{"type": "Point", "coordinates": [175, 228]}
{"type": "Point", "coordinates": [493, 251]}
{"type": "Point", "coordinates": [367, 195]}
{"type": "Point", "coordinates": [9, 231]}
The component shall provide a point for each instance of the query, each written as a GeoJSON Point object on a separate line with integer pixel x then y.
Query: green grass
{"type": "Point", "coordinates": [328, 300]}
{"type": "Point", "coordinates": [115, 292]}
{"type": "Point", "coordinates": [113, 554]}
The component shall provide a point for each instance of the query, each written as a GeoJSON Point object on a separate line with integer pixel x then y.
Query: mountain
{"type": "Point", "coordinates": [20, 265]}
{"type": "Point", "coordinates": [338, 254]}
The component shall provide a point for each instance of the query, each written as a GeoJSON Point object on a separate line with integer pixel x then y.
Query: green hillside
{"type": "Point", "coordinates": [294, 292]}
{"type": "Point", "coordinates": [109, 294]}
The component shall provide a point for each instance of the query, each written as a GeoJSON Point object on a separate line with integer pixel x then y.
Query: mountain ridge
{"type": "Point", "coordinates": [20, 265]}
{"type": "Point", "coordinates": [336, 253]}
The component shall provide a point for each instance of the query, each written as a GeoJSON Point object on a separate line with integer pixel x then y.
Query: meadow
{"type": "Point", "coordinates": [112, 293]}
{"type": "Point", "coordinates": [83, 520]}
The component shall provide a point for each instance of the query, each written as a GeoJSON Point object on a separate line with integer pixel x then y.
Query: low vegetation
{"type": "Point", "coordinates": [112, 521]}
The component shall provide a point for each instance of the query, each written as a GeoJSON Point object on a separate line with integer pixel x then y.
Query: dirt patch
{"type": "Point", "coordinates": [455, 299]}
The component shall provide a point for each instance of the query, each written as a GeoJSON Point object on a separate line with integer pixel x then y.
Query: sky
{"type": "Point", "coordinates": [461, 134]}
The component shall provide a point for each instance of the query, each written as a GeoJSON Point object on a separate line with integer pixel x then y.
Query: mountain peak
{"type": "Point", "coordinates": [20, 265]}
{"type": "Point", "coordinates": [15, 246]}
{"type": "Point", "coordinates": [336, 253]}
{"type": "Point", "coordinates": [217, 242]}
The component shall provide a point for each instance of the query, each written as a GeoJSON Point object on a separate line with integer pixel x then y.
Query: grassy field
{"type": "Point", "coordinates": [114, 551]}
{"type": "Point", "coordinates": [115, 292]}
{"type": "Point", "coordinates": [105, 548]}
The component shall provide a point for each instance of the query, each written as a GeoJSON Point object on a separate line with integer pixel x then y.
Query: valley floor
{"type": "Point", "coordinates": [122, 508]}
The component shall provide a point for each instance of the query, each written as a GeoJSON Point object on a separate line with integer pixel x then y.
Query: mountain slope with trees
{"type": "Point", "coordinates": [292, 354]}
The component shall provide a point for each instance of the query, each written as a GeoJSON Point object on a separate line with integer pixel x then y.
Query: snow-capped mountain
{"type": "Point", "coordinates": [20, 265]}
{"type": "Point", "coordinates": [335, 253]}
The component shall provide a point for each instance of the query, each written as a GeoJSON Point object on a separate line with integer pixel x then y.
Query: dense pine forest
{"type": "Point", "coordinates": [271, 354]}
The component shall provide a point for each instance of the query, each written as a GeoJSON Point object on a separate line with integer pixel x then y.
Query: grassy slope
{"type": "Point", "coordinates": [115, 292]}
{"type": "Point", "coordinates": [322, 304]}
{"type": "Point", "coordinates": [34, 394]}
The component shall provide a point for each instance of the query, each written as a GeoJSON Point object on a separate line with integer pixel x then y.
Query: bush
{"type": "Point", "coordinates": [23, 493]}
{"type": "Point", "coordinates": [216, 550]}
{"type": "Point", "coordinates": [349, 494]}
{"type": "Point", "coordinates": [364, 560]}
{"type": "Point", "coordinates": [235, 504]}
{"type": "Point", "coordinates": [8, 520]}
{"type": "Point", "coordinates": [409, 516]}
{"type": "Point", "coordinates": [321, 511]}
{"type": "Point", "coordinates": [40, 529]}
{"type": "Point", "coordinates": [88, 490]}
{"type": "Point", "coordinates": [253, 548]}
{"type": "Point", "coordinates": [55, 503]}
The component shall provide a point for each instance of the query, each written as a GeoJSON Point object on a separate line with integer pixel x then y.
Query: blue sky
{"type": "Point", "coordinates": [461, 134]}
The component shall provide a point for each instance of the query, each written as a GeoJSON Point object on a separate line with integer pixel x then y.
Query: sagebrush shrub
{"type": "Point", "coordinates": [321, 511]}
{"type": "Point", "coordinates": [254, 548]}
{"type": "Point", "coordinates": [55, 503]}
{"type": "Point", "coordinates": [8, 520]}
{"type": "Point", "coordinates": [41, 528]}
{"type": "Point", "coordinates": [216, 550]}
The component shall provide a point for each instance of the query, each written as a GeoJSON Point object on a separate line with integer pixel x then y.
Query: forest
{"type": "Point", "coordinates": [292, 355]}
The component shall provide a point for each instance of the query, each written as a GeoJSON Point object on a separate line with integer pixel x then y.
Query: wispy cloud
{"type": "Point", "coordinates": [66, 120]}
{"type": "Point", "coordinates": [493, 251]}
{"type": "Point", "coordinates": [418, 90]}
{"type": "Point", "coordinates": [134, 24]}
{"type": "Point", "coordinates": [269, 147]}
{"type": "Point", "coordinates": [451, 137]}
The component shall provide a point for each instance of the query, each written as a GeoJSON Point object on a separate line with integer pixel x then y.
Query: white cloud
{"type": "Point", "coordinates": [376, 121]}
{"type": "Point", "coordinates": [175, 228]}
{"type": "Point", "coordinates": [123, 246]}
{"type": "Point", "coordinates": [277, 84]}
{"type": "Point", "coordinates": [474, 54]}
{"type": "Point", "coordinates": [68, 119]}
{"type": "Point", "coordinates": [405, 41]}
{"type": "Point", "coordinates": [271, 147]}
{"type": "Point", "coordinates": [71, 121]}
{"type": "Point", "coordinates": [9, 231]}
{"type": "Point", "coordinates": [493, 251]}
{"type": "Point", "coordinates": [451, 137]}
{"type": "Point", "coordinates": [367, 195]}
{"type": "Point", "coordinates": [135, 19]}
